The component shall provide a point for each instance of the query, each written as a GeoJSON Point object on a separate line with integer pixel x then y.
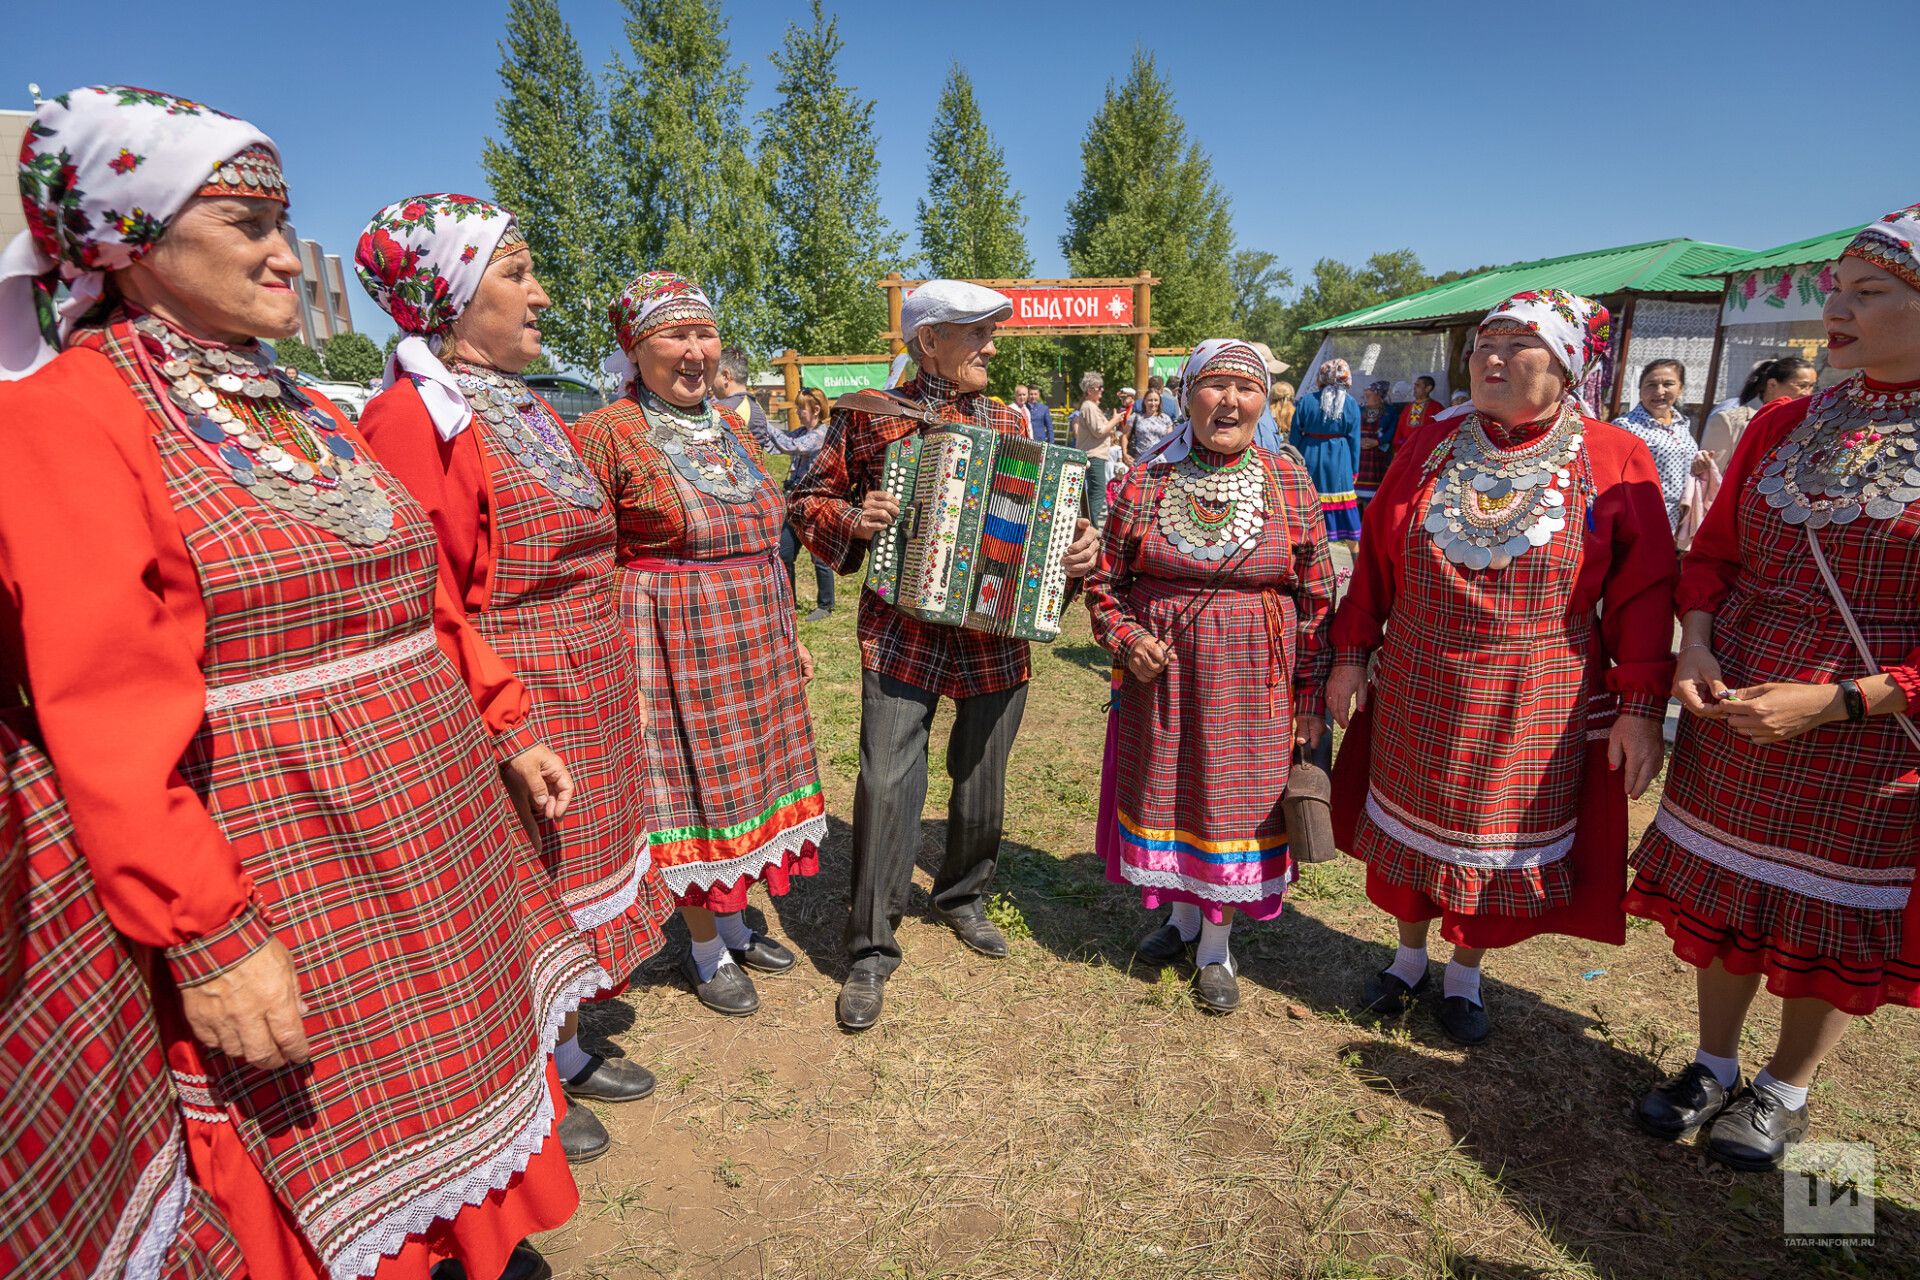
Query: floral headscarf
{"type": "Point", "coordinates": [1215, 356]}
{"type": "Point", "coordinates": [1380, 387]}
{"type": "Point", "coordinates": [655, 300]}
{"type": "Point", "coordinates": [1892, 244]}
{"type": "Point", "coordinates": [1575, 329]}
{"type": "Point", "coordinates": [1333, 379]}
{"type": "Point", "coordinates": [421, 260]}
{"type": "Point", "coordinates": [103, 170]}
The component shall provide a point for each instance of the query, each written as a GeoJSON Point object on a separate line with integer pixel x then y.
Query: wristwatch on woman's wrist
{"type": "Point", "coordinates": [1856, 702]}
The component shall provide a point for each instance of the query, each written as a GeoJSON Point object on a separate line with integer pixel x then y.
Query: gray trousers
{"type": "Point", "coordinates": [892, 789]}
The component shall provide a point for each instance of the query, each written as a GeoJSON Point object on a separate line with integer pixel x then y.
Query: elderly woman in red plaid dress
{"type": "Point", "coordinates": [1784, 848]}
{"type": "Point", "coordinates": [280, 742]}
{"type": "Point", "coordinates": [1513, 594]}
{"type": "Point", "coordinates": [1213, 589]}
{"type": "Point", "coordinates": [731, 793]}
{"type": "Point", "coordinates": [527, 546]}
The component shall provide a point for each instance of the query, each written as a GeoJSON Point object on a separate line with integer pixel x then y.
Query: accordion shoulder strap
{"type": "Point", "coordinates": [886, 404]}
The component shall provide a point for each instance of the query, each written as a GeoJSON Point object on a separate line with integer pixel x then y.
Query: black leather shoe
{"type": "Point", "coordinates": [582, 1137]}
{"type": "Point", "coordinates": [860, 999]}
{"type": "Point", "coordinates": [1162, 947]}
{"type": "Point", "coordinates": [978, 932]}
{"type": "Point", "coordinates": [1386, 995]}
{"type": "Point", "coordinates": [525, 1263]}
{"type": "Point", "coordinates": [729, 990]}
{"type": "Point", "coordinates": [818, 615]}
{"type": "Point", "coordinates": [1677, 1106]}
{"type": "Point", "coordinates": [610, 1080]}
{"type": "Point", "coordinates": [763, 954]}
{"type": "Point", "coordinates": [1217, 990]}
{"type": "Point", "coordinates": [1753, 1133]}
{"type": "Point", "coordinates": [1464, 1021]}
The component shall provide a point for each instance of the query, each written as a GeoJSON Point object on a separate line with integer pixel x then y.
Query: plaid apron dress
{"type": "Point", "coordinates": [342, 757]}
{"type": "Point", "coordinates": [732, 795]}
{"type": "Point", "coordinates": [93, 1163]}
{"type": "Point", "coordinates": [1479, 721]}
{"type": "Point", "coordinates": [1179, 830]}
{"type": "Point", "coordinates": [552, 614]}
{"type": "Point", "coordinates": [1796, 859]}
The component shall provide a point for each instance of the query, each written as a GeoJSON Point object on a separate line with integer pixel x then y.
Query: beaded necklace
{"type": "Point", "coordinates": [1494, 505]}
{"type": "Point", "coordinates": [271, 439]}
{"type": "Point", "coordinates": [701, 448]}
{"type": "Point", "coordinates": [1210, 510]}
{"type": "Point", "coordinates": [523, 427]}
{"type": "Point", "coordinates": [1856, 454]}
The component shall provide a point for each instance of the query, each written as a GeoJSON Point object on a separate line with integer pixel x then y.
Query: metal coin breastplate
{"type": "Point", "coordinates": [1493, 505]}
{"type": "Point", "coordinates": [273, 441]}
{"type": "Point", "coordinates": [1210, 512]}
{"type": "Point", "coordinates": [702, 449]}
{"type": "Point", "coordinates": [522, 426]}
{"type": "Point", "coordinates": [1856, 454]}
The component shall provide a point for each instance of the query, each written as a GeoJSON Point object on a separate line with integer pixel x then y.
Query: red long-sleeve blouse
{"type": "Point", "coordinates": [1628, 569]}
{"type": "Point", "coordinates": [1713, 563]}
{"type": "Point", "coordinates": [102, 625]}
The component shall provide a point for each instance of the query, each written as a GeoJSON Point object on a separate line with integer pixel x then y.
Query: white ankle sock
{"type": "Point", "coordinates": [1409, 964]}
{"type": "Point", "coordinates": [709, 956]}
{"type": "Point", "coordinates": [733, 931]}
{"type": "Point", "coordinates": [569, 1059]}
{"type": "Point", "coordinates": [1213, 946]}
{"type": "Point", "coordinates": [1187, 919]}
{"type": "Point", "coordinates": [1462, 981]}
{"type": "Point", "coordinates": [1725, 1070]}
{"type": "Point", "coordinates": [1790, 1096]}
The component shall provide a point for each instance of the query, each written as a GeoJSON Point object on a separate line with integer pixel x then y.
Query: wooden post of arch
{"type": "Point", "coordinates": [896, 286]}
{"type": "Point", "coordinates": [1143, 323]}
{"type": "Point", "coordinates": [789, 365]}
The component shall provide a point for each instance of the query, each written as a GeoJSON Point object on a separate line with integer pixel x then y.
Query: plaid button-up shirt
{"type": "Point", "coordinates": [952, 661]}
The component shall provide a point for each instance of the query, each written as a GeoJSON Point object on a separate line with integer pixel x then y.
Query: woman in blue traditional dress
{"type": "Point", "coordinates": [1326, 430]}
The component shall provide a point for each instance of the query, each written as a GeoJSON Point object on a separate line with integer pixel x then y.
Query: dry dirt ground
{"type": "Point", "coordinates": [1064, 1114]}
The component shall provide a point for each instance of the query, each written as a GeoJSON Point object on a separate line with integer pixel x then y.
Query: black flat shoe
{"type": "Point", "coordinates": [610, 1080]}
{"type": "Point", "coordinates": [763, 955]}
{"type": "Point", "coordinates": [729, 990]}
{"type": "Point", "coordinates": [860, 999]}
{"type": "Point", "coordinates": [1754, 1131]}
{"type": "Point", "coordinates": [818, 615]}
{"type": "Point", "coordinates": [1676, 1107]}
{"type": "Point", "coordinates": [1387, 996]}
{"type": "Point", "coordinates": [1162, 947]}
{"type": "Point", "coordinates": [524, 1263]}
{"type": "Point", "coordinates": [582, 1137]}
{"type": "Point", "coordinates": [1217, 990]}
{"type": "Point", "coordinates": [1464, 1021]}
{"type": "Point", "coordinates": [978, 932]}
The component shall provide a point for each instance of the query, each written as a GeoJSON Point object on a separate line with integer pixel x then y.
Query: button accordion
{"type": "Point", "coordinates": [985, 522]}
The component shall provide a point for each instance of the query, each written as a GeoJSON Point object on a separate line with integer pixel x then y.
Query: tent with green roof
{"type": "Point", "coordinates": [1664, 294]}
{"type": "Point", "coordinates": [1772, 305]}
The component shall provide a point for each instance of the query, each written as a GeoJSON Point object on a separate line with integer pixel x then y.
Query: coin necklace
{"type": "Point", "coordinates": [273, 441]}
{"type": "Point", "coordinates": [1493, 505]}
{"type": "Point", "coordinates": [1856, 454]}
{"type": "Point", "coordinates": [1210, 511]}
{"type": "Point", "coordinates": [701, 448]}
{"type": "Point", "coordinates": [523, 427]}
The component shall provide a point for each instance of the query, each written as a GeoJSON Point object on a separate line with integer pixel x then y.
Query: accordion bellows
{"type": "Point", "coordinates": [985, 522]}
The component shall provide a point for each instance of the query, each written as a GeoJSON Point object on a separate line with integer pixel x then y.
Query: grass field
{"type": "Point", "coordinates": [1062, 1114]}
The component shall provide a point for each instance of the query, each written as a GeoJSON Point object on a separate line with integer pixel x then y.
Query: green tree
{"type": "Point", "coordinates": [1337, 288]}
{"type": "Point", "coordinates": [693, 199]}
{"type": "Point", "coordinates": [832, 240]}
{"type": "Point", "coordinates": [549, 166]}
{"type": "Point", "coordinates": [292, 353]}
{"type": "Point", "coordinates": [971, 226]}
{"type": "Point", "coordinates": [1148, 201]}
{"type": "Point", "coordinates": [351, 357]}
{"type": "Point", "coordinates": [393, 340]}
{"type": "Point", "coordinates": [1259, 310]}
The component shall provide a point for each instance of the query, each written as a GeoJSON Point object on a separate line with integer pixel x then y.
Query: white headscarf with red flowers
{"type": "Point", "coordinates": [1576, 330]}
{"type": "Point", "coordinates": [103, 170]}
{"type": "Point", "coordinates": [421, 260]}
{"type": "Point", "coordinates": [1892, 244]}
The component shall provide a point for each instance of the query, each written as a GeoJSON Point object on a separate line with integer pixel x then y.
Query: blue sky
{"type": "Point", "coordinates": [1337, 129]}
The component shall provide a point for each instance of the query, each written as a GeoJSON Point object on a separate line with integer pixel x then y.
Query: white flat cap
{"type": "Point", "coordinates": [951, 302]}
